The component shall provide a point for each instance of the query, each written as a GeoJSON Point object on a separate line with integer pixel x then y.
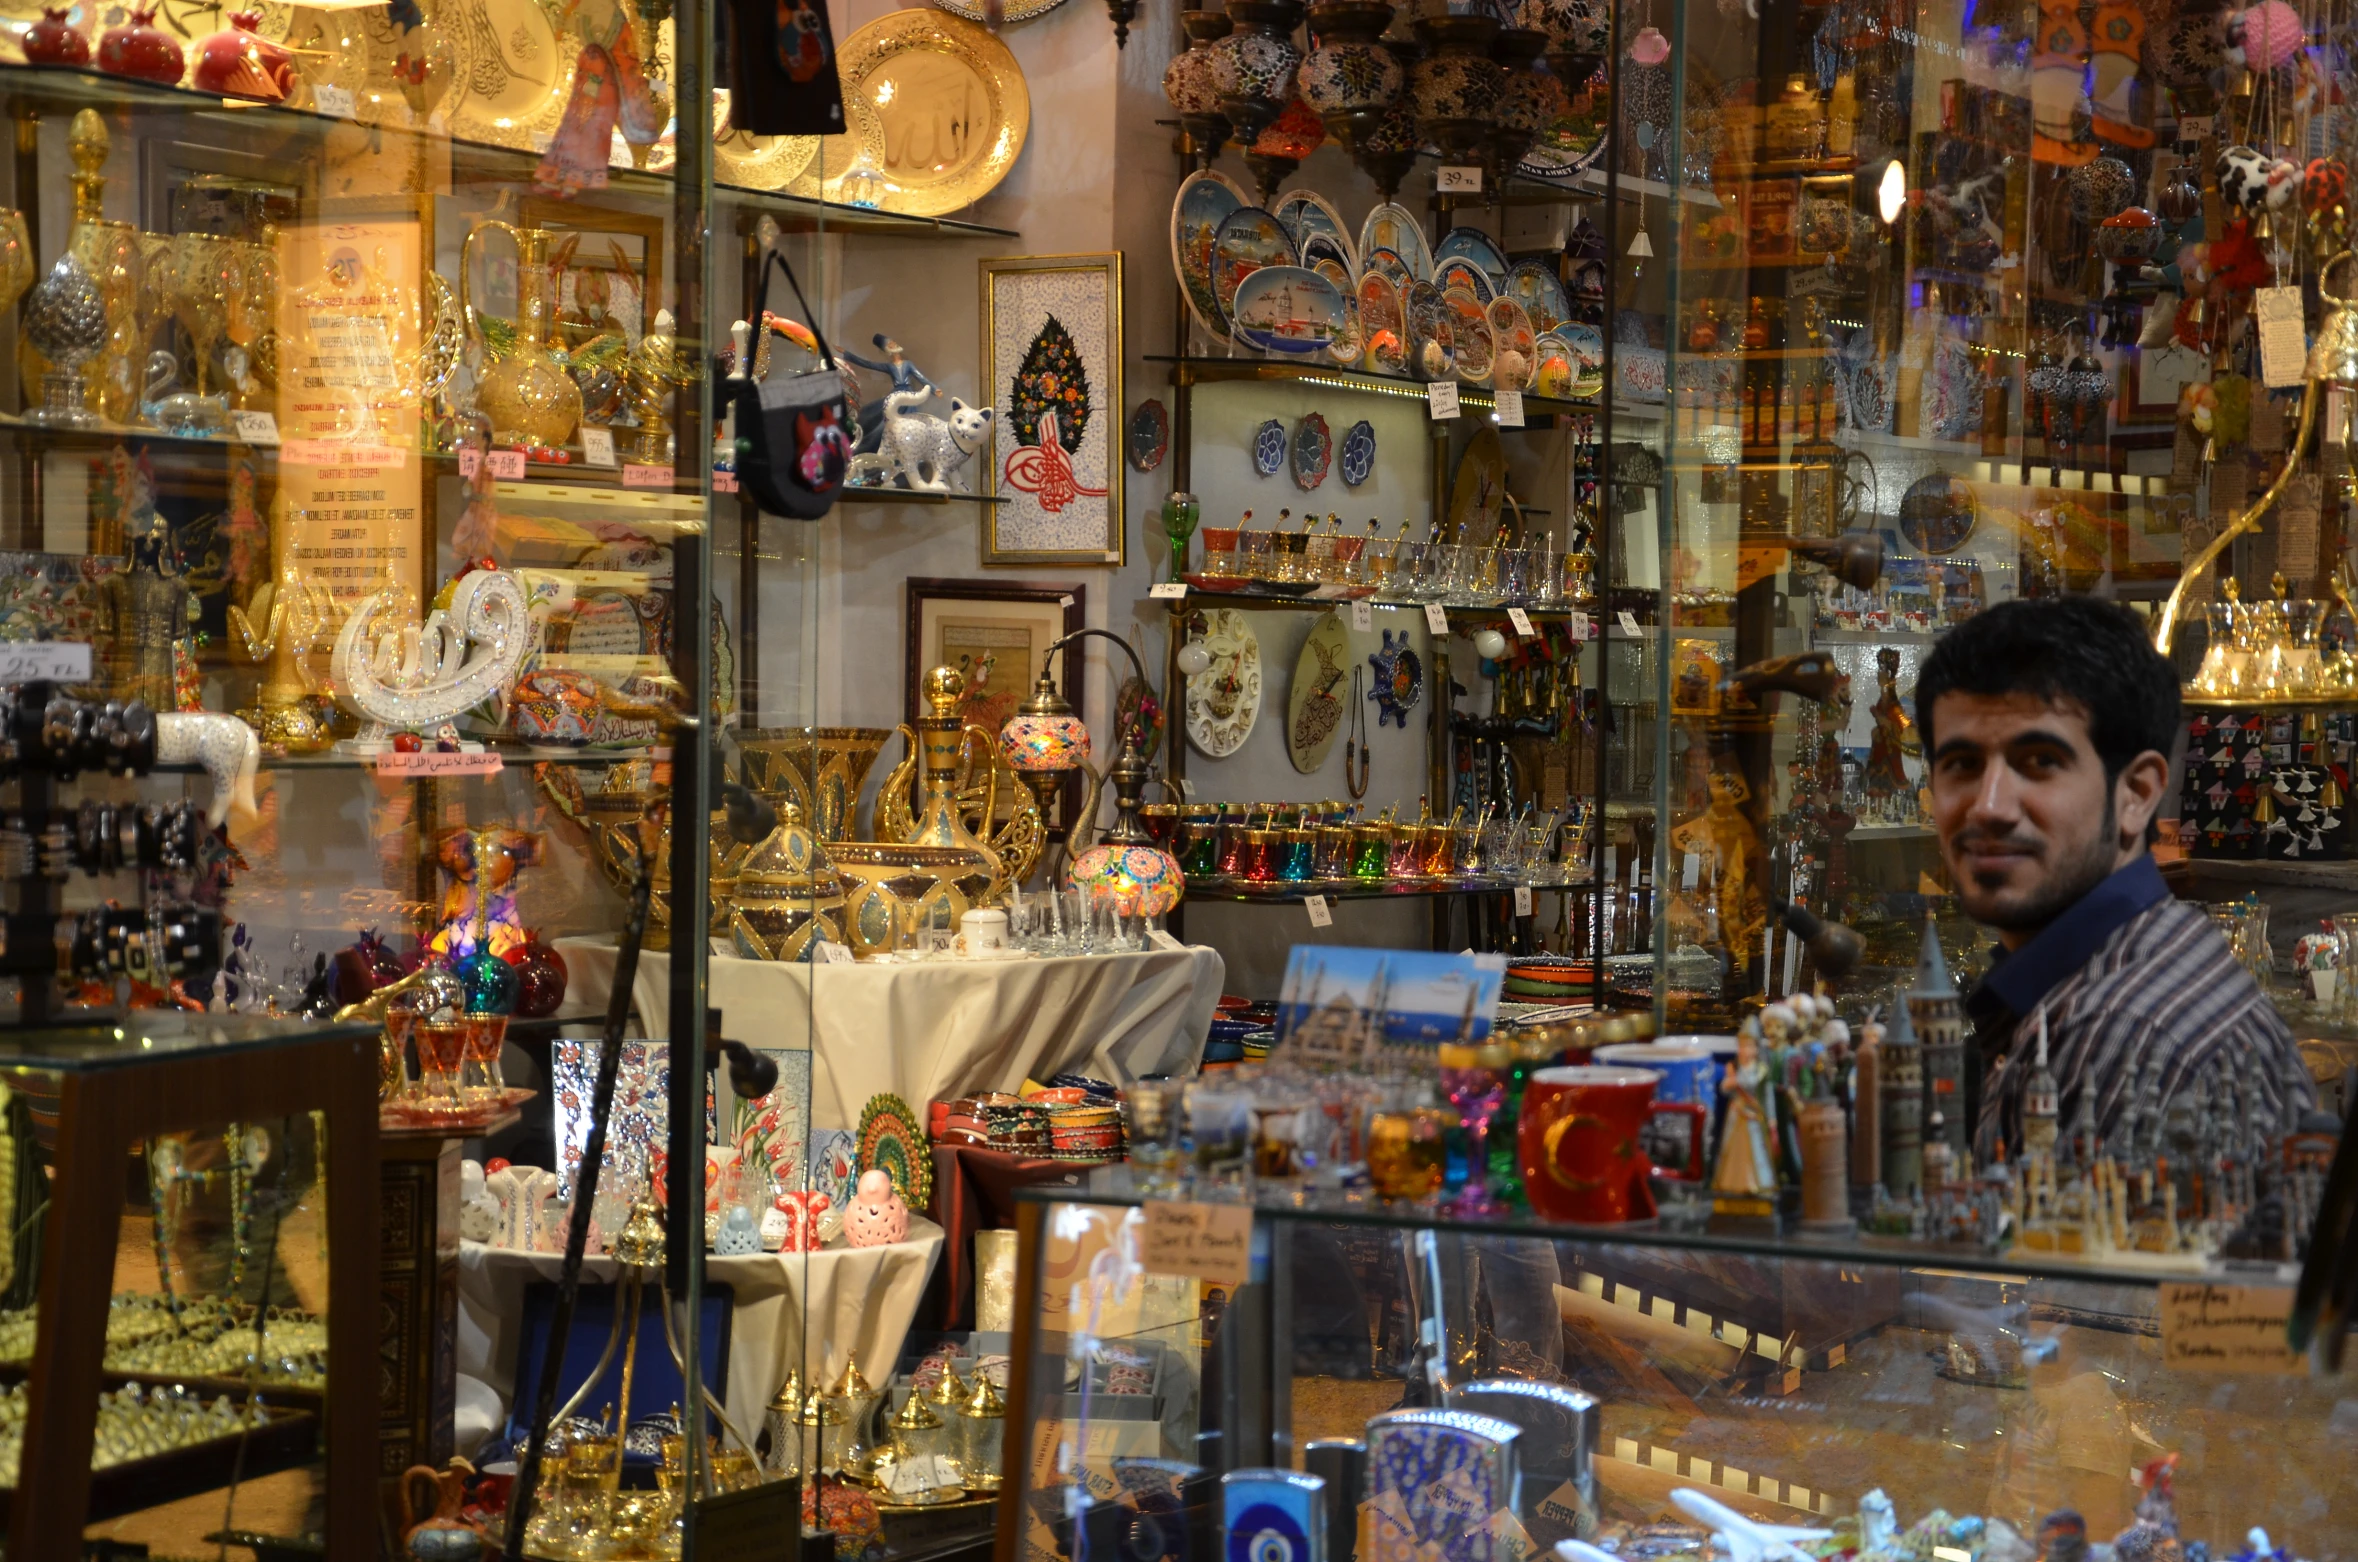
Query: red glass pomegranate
{"type": "Point", "coordinates": [55, 41]}
{"type": "Point", "coordinates": [239, 62]}
{"type": "Point", "coordinates": [141, 49]}
{"type": "Point", "coordinates": [540, 978]}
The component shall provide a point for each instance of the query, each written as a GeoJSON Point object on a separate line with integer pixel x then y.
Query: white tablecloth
{"type": "Point", "coordinates": [941, 1029]}
{"type": "Point", "coordinates": [859, 1300]}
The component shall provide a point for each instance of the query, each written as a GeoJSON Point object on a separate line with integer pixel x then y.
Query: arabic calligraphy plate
{"type": "Point", "coordinates": [936, 105]}
{"type": "Point", "coordinates": [514, 73]}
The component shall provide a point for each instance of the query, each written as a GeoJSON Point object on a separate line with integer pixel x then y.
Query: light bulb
{"type": "Point", "coordinates": [1193, 658]}
{"type": "Point", "coordinates": [1490, 643]}
{"type": "Point", "coordinates": [1892, 193]}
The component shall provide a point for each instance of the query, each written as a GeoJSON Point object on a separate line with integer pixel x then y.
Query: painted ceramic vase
{"type": "Point", "coordinates": [54, 40]}
{"type": "Point", "coordinates": [237, 62]}
{"type": "Point", "coordinates": [1254, 67]}
{"type": "Point", "coordinates": [876, 1215]}
{"type": "Point", "coordinates": [141, 49]}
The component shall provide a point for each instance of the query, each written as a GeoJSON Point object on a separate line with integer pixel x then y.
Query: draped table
{"type": "Point", "coordinates": [939, 1029]}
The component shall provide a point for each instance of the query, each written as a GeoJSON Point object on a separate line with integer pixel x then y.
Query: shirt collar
{"type": "Point", "coordinates": [2017, 981]}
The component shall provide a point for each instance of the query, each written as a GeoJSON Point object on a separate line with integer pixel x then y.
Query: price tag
{"type": "Point", "coordinates": [2226, 1328]}
{"type": "Point", "coordinates": [834, 954]}
{"type": "Point", "coordinates": [724, 482]}
{"type": "Point", "coordinates": [720, 948]}
{"type": "Point", "coordinates": [1582, 629]}
{"type": "Point", "coordinates": [1690, 866]}
{"type": "Point", "coordinates": [421, 762]}
{"type": "Point", "coordinates": [507, 465]}
{"type": "Point", "coordinates": [333, 101]}
{"type": "Point", "coordinates": [255, 428]}
{"type": "Point", "coordinates": [2284, 345]}
{"type": "Point", "coordinates": [597, 446]}
{"type": "Point", "coordinates": [646, 477]}
{"type": "Point", "coordinates": [1510, 409]}
{"type": "Point", "coordinates": [1441, 398]}
{"type": "Point", "coordinates": [1629, 623]}
{"type": "Point", "coordinates": [45, 661]}
{"type": "Point", "coordinates": [1457, 179]}
{"type": "Point", "coordinates": [1168, 590]}
{"type": "Point", "coordinates": [1319, 915]}
{"type": "Point", "coordinates": [1523, 900]}
{"type": "Point", "coordinates": [470, 462]}
{"type": "Point", "coordinates": [1161, 939]}
{"type": "Point", "coordinates": [1362, 614]}
{"type": "Point", "coordinates": [1522, 622]}
{"type": "Point", "coordinates": [2194, 127]}
{"type": "Point", "coordinates": [1436, 618]}
{"type": "Point", "coordinates": [1211, 1242]}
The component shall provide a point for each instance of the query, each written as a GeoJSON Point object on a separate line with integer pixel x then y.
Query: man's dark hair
{"type": "Point", "coordinates": [2093, 653]}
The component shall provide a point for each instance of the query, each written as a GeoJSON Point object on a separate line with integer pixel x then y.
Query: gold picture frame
{"type": "Point", "coordinates": [1051, 344]}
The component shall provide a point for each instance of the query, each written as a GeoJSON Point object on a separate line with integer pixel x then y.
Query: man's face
{"type": "Point", "coordinates": [2028, 823]}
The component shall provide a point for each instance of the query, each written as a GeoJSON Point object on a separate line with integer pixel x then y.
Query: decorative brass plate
{"type": "Point", "coordinates": [935, 105]}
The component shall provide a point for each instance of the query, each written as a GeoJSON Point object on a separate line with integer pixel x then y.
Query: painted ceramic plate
{"type": "Point", "coordinates": [1322, 685]}
{"type": "Point", "coordinates": [1397, 680]}
{"type": "Point", "coordinates": [1149, 435]}
{"type": "Point", "coordinates": [1479, 491]}
{"type": "Point", "coordinates": [1462, 274]}
{"type": "Point", "coordinates": [937, 104]}
{"type": "Point", "coordinates": [1205, 201]}
{"type": "Point", "coordinates": [517, 73]}
{"type": "Point", "coordinates": [1329, 256]}
{"type": "Point", "coordinates": [1359, 453]}
{"type": "Point", "coordinates": [1332, 269]}
{"type": "Point", "coordinates": [1247, 239]}
{"type": "Point", "coordinates": [1224, 700]}
{"type": "Point", "coordinates": [1553, 368]}
{"type": "Point", "coordinates": [1387, 264]}
{"type": "Point", "coordinates": [1576, 140]}
{"type": "Point", "coordinates": [1470, 332]}
{"type": "Point", "coordinates": [1307, 215]}
{"type": "Point", "coordinates": [1269, 447]}
{"type": "Point", "coordinates": [1474, 245]}
{"type": "Point", "coordinates": [891, 1139]}
{"type": "Point", "coordinates": [1287, 309]}
{"type": "Point", "coordinates": [1535, 285]}
{"type": "Point", "coordinates": [1381, 328]}
{"type": "Point", "coordinates": [1313, 452]}
{"type": "Point", "coordinates": [1014, 11]}
{"type": "Point", "coordinates": [1588, 358]}
{"type": "Point", "coordinates": [1432, 339]}
{"type": "Point", "coordinates": [1349, 343]}
{"type": "Point", "coordinates": [1395, 228]}
{"type": "Point", "coordinates": [1512, 341]}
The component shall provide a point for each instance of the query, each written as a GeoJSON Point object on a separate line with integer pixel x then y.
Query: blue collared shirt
{"type": "Point", "coordinates": [2018, 980]}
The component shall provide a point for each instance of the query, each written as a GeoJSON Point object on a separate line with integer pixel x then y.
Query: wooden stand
{"type": "Point", "coordinates": [103, 1110]}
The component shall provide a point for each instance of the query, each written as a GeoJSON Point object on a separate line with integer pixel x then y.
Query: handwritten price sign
{"type": "Point", "coordinates": [44, 661]}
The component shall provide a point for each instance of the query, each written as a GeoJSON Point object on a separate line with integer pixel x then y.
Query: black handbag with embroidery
{"type": "Point", "coordinates": [795, 431]}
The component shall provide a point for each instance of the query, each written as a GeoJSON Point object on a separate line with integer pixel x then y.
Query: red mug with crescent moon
{"type": "Point", "coordinates": [1578, 1138]}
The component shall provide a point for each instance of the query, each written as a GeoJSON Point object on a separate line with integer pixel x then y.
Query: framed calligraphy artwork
{"type": "Point", "coordinates": [1052, 366]}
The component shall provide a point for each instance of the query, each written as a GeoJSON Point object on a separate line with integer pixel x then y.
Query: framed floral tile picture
{"type": "Point", "coordinates": [1052, 367]}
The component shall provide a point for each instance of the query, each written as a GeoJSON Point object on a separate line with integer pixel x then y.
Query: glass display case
{"type": "Point", "coordinates": [1342, 1379]}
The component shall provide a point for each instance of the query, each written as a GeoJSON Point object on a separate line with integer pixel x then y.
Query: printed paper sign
{"type": "Point", "coordinates": [646, 477]}
{"type": "Point", "coordinates": [1362, 615]}
{"type": "Point", "coordinates": [1457, 179]}
{"type": "Point", "coordinates": [423, 762]}
{"type": "Point", "coordinates": [1211, 1242]}
{"type": "Point", "coordinates": [1320, 916]}
{"type": "Point", "coordinates": [1436, 618]}
{"type": "Point", "coordinates": [597, 446]}
{"type": "Point", "coordinates": [1522, 622]}
{"type": "Point", "coordinates": [1168, 590]}
{"type": "Point", "coordinates": [1510, 409]}
{"type": "Point", "coordinates": [2227, 1328]}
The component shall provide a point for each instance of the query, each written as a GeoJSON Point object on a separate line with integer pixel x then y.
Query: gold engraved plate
{"type": "Point", "coordinates": [937, 111]}
{"type": "Point", "coordinates": [514, 70]}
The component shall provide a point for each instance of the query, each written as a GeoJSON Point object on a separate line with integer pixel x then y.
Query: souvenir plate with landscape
{"type": "Point", "coordinates": [1535, 285]}
{"type": "Point", "coordinates": [1510, 331]}
{"type": "Point", "coordinates": [1552, 370]}
{"type": "Point", "coordinates": [1248, 239]}
{"type": "Point", "coordinates": [1395, 228]}
{"type": "Point", "coordinates": [1308, 215]}
{"type": "Point", "coordinates": [1463, 274]}
{"type": "Point", "coordinates": [1052, 367]}
{"type": "Point", "coordinates": [1388, 265]}
{"type": "Point", "coordinates": [1381, 328]}
{"type": "Point", "coordinates": [1205, 200]}
{"type": "Point", "coordinates": [1331, 258]}
{"type": "Point", "coordinates": [1429, 325]}
{"type": "Point", "coordinates": [1224, 700]}
{"type": "Point", "coordinates": [1588, 358]}
{"type": "Point", "coordinates": [1290, 310]}
{"type": "Point", "coordinates": [1470, 332]}
{"type": "Point", "coordinates": [1472, 244]}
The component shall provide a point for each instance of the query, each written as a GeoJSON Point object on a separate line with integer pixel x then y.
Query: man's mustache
{"type": "Point", "coordinates": [1983, 840]}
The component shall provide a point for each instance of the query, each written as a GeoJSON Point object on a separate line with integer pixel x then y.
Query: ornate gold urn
{"type": "Point", "coordinates": [821, 770]}
{"type": "Point", "coordinates": [959, 797]}
{"type": "Point", "coordinates": [528, 397]}
{"type": "Point", "coordinates": [787, 894]}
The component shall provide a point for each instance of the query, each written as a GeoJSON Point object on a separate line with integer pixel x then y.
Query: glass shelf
{"type": "Point", "coordinates": [1242, 892]}
{"type": "Point", "coordinates": [107, 1040]}
{"type": "Point", "coordinates": [53, 89]}
{"type": "Point", "coordinates": [1249, 599]}
{"type": "Point", "coordinates": [1111, 1186]}
{"type": "Point", "coordinates": [850, 495]}
{"type": "Point", "coordinates": [1206, 371]}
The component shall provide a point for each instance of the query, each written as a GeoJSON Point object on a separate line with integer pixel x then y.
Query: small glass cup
{"type": "Point", "coordinates": [1161, 822]}
{"type": "Point", "coordinates": [1220, 1135]}
{"type": "Point", "coordinates": [1514, 575]}
{"type": "Point", "coordinates": [1298, 857]}
{"type": "Point", "coordinates": [1256, 555]}
{"type": "Point", "coordinates": [1333, 852]}
{"type": "Point", "coordinates": [1156, 1133]}
{"type": "Point", "coordinates": [1408, 1151]}
{"type": "Point", "coordinates": [442, 1056]}
{"type": "Point", "coordinates": [1466, 843]}
{"type": "Point", "coordinates": [1261, 861]}
{"type": "Point", "coordinates": [1435, 851]}
{"type": "Point", "coordinates": [485, 1035]}
{"type": "Point", "coordinates": [1219, 551]}
{"type": "Point", "coordinates": [1404, 571]}
{"type": "Point", "coordinates": [1401, 861]}
{"type": "Point", "coordinates": [1348, 555]}
{"type": "Point", "coordinates": [1199, 849]}
{"type": "Point", "coordinates": [1371, 851]}
{"type": "Point", "coordinates": [1233, 833]}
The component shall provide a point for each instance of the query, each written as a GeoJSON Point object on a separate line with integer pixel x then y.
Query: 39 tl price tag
{"type": "Point", "coordinates": [597, 447]}
{"type": "Point", "coordinates": [507, 465]}
{"type": "Point", "coordinates": [1320, 916]}
{"type": "Point", "coordinates": [1522, 622]}
{"type": "Point", "coordinates": [1510, 409]}
{"type": "Point", "coordinates": [1441, 398]}
{"type": "Point", "coordinates": [1457, 179]}
{"type": "Point", "coordinates": [1362, 614]}
{"type": "Point", "coordinates": [1168, 590]}
{"type": "Point", "coordinates": [255, 428]}
{"type": "Point", "coordinates": [1436, 618]}
{"type": "Point", "coordinates": [1523, 900]}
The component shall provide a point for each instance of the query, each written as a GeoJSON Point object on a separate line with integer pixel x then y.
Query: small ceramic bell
{"type": "Point", "coordinates": [877, 1215]}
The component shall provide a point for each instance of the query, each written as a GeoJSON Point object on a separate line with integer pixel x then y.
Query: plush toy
{"type": "Point", "coordinates": [877, 1215]}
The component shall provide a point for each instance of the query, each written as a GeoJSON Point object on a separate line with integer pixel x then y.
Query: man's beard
{"type": "Point", "coordinates": [2067, 881]}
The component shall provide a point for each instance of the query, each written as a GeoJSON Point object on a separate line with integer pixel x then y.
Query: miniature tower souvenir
{"type": "Point", "coordinates": [1902, 1087]}
{"type": "Point", "coordinates": [1866, 1105]}
{"type": "Point", "coordinates": [1937, 1016]}
{"type": "Point", "coordinates": [2039, 1101]}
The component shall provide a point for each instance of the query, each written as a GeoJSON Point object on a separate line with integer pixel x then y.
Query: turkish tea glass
{"type": "Point", "coordinates": [1514, 575]}
{"type": "Point", "coordinates": [1256, 555]}
{"type": "Point", "coordinates": [1199, 852]}
{"type": "Point", "coordinates": [1233, 833]}
{"type": "Point", "coordinates": [1261, 861]}
{"type": "Point", "coordinates": [1333, 852]}
{"type": "Point", "coordinates": [442, 1056]}
{"type": "Point", "coordinates": [1404, 571]}
{"type": "Point", "coordinates": [1401, 861]}
{"type": "Point", "coordinates": [1298, 855]}
{"type": "Point", "coordinates": [1408, 1151]}
{"type": "Point", "coordinates": [1435, 850]}
{"type": "Point", "coordinates": [485, 1036]}
{"type": "Point", "coordinates": [1220, 552]}
{"type": "Point", "coordinates": [1371, 851]}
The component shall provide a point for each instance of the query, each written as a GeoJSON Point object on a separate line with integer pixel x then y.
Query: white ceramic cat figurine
{"type": "Point", "coordinates": [927, 450]}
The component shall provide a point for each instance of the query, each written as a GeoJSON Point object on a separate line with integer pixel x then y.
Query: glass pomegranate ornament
{"type": "Point", "coordinates": [139, 48]}
{"type": "Point", "coordinates": [55, 40]}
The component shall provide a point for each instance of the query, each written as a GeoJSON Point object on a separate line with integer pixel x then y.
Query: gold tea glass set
{"type": "Point", "coordinates": [1333, 843]}
{"type": "Point", "coordinates": [1403, 569]}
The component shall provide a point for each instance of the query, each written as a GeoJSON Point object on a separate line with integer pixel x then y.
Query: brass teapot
{"type": "Point", "coordinates": [528, 396]}
{"type": "Point", "coordinates": [960, 796]}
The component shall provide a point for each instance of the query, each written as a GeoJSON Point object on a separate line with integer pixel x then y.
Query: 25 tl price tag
{"type": "Point", "coordinates": [1320, 916]}
{"type": "Point", "coordinates": [45, 661]}
{"type": "Point", "coordinates": [1522, 622]}
{"type": "Point", "coordinates": [1437, 618]}
{"type": "Point", "coordinates": [1441, 398]}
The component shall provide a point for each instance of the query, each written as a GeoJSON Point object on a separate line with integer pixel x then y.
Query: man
{"type": "Point", "coordinates": [2048, 727]}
